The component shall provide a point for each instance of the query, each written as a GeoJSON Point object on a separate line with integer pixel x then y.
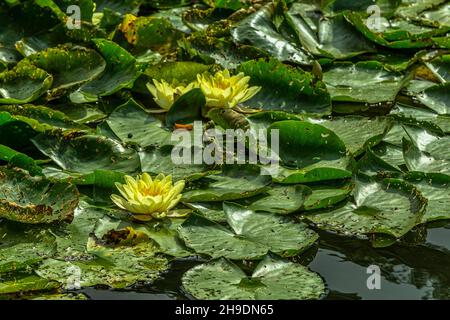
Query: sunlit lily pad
{"type": "Point", "coordinates": [286, 89]}
{"type": "Point", "coordinates": [272, 279]}
{"type": "Point", "coordinates": [362, 82]}
{"type": "Point", "coordinates": [234, 183]}
{"type": "Point", "coordinates": [390, 207]}
{"type": "Point", "coordinates": [250, 236]}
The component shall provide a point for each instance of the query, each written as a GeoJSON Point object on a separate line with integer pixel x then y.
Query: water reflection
{"type": "Point", "coordinates": [408, 272]}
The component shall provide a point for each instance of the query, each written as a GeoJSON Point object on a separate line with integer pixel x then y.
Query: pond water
{"type": "Point", "coordinates": [408, 271]}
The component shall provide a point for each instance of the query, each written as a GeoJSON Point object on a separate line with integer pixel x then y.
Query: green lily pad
{"type": "Point", "coordinates": [280, 199]}
{"type": "Point", "coordinates": [390, 207]}
{"type": "Point", "coordinates": [24, 83]}
{"type": "Point", "coordinates": [436, 98]}
{"type": "Point", "coordinates": [120, 72]}
{"type": "Point", "coordinates": [27, 283]}
{"type": "Point", "coordinates": [222, 51]}
{"type": "Point", "coordinates": [417, 160]}
{"type": "Point", "coordinates": [251, 235]}
{"type": "Point", "coordinates": [272, 279]}
{"type": "Point", "coordinates": [87, 153]}
{"type": "Point", "coordinates": [309, 152]}
{"type": "Point", "coordinates": [259, 30]}
{"type": "Point", "coordinates": [285, 88]}
{"type": "Point", "coordinates": [358, 132]}
{"type": "Point", "coordinates": [187, 108]}
{"type": "Point", "coordinates": [23, 254]}
{"type": "Point", "coordinates": [69, 66]}
{"type": "Point", "coordinates": [326, 196]}
{"type": "Point", "coordinates": [35, 200]}
{"type": "Point", "coordinates": [236, 182]}
{"type": "Point", "coordinates": [362, 82]}
{"type": "Point", "coordinates": [131, 123]}
{"type": "Point", "coordinates": [440, 67]}
{"type": "Point", "coordinates": [159, 160]}
{"type": "Point", "coordinates": [435, 187]}
{"type": "Point", "coordinates": [334, 37]}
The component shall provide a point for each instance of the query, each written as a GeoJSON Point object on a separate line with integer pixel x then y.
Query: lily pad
{"type": "Point", "coordinates": [286, 89]}
{"type": "Point", "coordinates": [250, 236]}
{"type": "Point", "coordinates": [131, 123]}
{"type": "Point", "coordinates": [309, 152]}
{"type": "Point", "coordinates": [259, 30]}
{"type": "Point", "coordinates": [358, 132]}
{"type": "Point", "coordinates": [435, 187]}
{"type": "Point", "coordinates": [24, 83]}
{"type": "Point", "coordinates": [272, 279]}
{"type": "Point", "coordinates": [120, 72]}
{"type": "Point", "coordinates": [69, 66]}
{"type": "Point", "coordinates": [390, 207]}
{"type": "Point", "coordinates": [159, 160]}
{"type": "Point", "coordinates": [87, 153]}
{"type": "Point", "coordinates": [362, 82]}
{"type": "Point", "coordinates": [35, 200]}
{"type": "Point", "coordinates": [236, 182]}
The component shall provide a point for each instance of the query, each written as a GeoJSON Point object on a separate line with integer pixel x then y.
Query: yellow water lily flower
{"type": "Point", "coordinates": [165, 94]}
{"type": "Point", "coordinates": [225, 91]}
{"type": "Point", "coordinates": [148, 198]}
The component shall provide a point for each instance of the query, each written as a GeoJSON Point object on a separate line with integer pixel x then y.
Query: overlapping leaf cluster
{"type": "Point", "coordinates": [363, 114]}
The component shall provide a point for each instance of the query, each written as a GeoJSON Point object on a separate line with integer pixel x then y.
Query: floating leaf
{"type": "Point", "coordinates": [285, 88]}
{"type": "Point", "coordinates": [390, 207]}
{"type": "Point", "coordinates": [236, 182]}
{"type": "Point", "coordinates": [272, 279]}
{"type": "Point", "coordinates": [35, 200]}
{"type": "Point", "coordinates": [251, 235]}
{"type": "Point", "coordinates": [24, 83]}
{"type": "Point", "coordinates": [120, 72]}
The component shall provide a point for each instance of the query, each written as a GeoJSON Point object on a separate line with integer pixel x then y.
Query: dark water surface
{"type": "Point", "coordinates": [408, 271]}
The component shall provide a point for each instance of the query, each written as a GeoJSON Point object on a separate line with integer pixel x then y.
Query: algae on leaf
{"type": "Point", "coordinates": [34, 200]}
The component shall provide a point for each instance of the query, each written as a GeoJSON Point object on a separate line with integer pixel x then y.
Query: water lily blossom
{"type": "Point", "coordinates": [148, 198]}
{"type": "Point", "coordinates": [165, 94]}
{"type": "Point", "coordinates": [225, 91]}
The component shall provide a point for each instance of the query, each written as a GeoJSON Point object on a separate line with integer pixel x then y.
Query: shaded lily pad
{"type": "Point", "coordinates": [333, 37]}
{"type": "Point", "coordinates": [417, 160]}
{"type": "Point", "coordinates": [272, 279]}
{"type": "Point", "coordinates": [309, 152]}
{"type": "Point", "coordinates": [251, 235]}
{"type": "Point", "coordinates": [87, 153]}
{"type": "Point", "coordinates": [280, 199]}
{"type": "Point", "coordinates": [68, 66]}
{"type": "Point", "coordinates": [120, 72]}
{"type": "Point", "coordinates": [24, 83]}
{"type": "Point", "coordinates": [35, 200]}
{"type": "Point", "coordinates": [436, 98]}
